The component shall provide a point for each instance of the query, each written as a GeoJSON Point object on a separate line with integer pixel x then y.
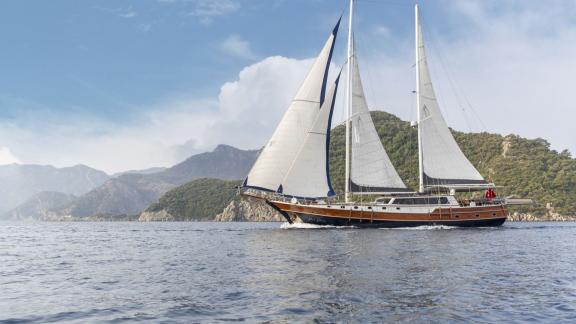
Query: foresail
{"type": "Point", "coordinates": [372, 171]}
{"type": "Point", "coordinates": [443, 163]}
{"type": "Point", "coordinates": [280, 152]}
{"type": "Point", "coordinates": [309, 174]}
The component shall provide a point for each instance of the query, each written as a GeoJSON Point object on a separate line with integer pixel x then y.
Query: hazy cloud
{"type": "Point", "coordinates": [237, 46]}
{"type": "Point", "coordinates": [6, 156]}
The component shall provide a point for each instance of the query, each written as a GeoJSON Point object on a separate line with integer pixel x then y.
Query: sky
{"type": "Point", "coordinates": [131, 84]}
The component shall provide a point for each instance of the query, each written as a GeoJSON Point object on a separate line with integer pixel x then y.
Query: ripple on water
{"type": "Point", "coordinates": [196, 272]}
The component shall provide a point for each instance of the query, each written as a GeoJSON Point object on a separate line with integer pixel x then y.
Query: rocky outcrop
{"type": "Point", "coordinates": [249, 210]}
{"type": "Point", "coordinates": [551, 216]}
{"type": "Point", "coordinates": [156, 216]}
{"type": "Point", "coordinates": [506, 144]}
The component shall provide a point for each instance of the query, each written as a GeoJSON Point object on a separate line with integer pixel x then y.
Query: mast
{"type": "Point", "coordinates": [348, 103]}
{"type": "Point", "coordinates": [420, 161]}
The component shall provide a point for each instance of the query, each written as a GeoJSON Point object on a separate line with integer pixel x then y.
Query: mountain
{"type": "Point", "coordinates": [38, 207]}
{"type": "Point", "coordinates": [199, 199]}
{"type": "Point", "coordinates": [131, 193]}
{"type": "Point", "coordinates": [520, 167]}
{"type": "Point", "coordinates": [18, 183]}
{"type": "Point", "coordinates": [145, 171]}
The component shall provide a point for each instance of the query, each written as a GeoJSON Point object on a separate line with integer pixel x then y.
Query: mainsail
{"type": "Point", "coordinates": [372, 171]}
{"type": "Point", "coordinates": [280, 153]}
{"type": "Point", "coordinates": [442, 161]}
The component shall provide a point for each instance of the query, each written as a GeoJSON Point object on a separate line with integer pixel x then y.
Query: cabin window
{"type": "Point", "coordinates": [369, 207]}
{"type": "Point", "coordinates": [355, 207]}
{"type": "Point", "coordinates": [341, 206]}
{"type": "Point", "coordinates": [421, 201]}
{"type": "Point", "coordinates": [477, 215]}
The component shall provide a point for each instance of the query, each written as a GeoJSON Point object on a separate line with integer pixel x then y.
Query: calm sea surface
{"type": "Point", "coordinates": [211, 272]}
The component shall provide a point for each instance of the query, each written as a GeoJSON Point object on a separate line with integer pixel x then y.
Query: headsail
{"type": "Point", "coordinates": [372, 171]}
{"type": "Point", "coordinates": [280, 152]}
{"type": "Point", "coordinates": [443, 163]}
{"type": "Point", "coordinates": [309, 175]}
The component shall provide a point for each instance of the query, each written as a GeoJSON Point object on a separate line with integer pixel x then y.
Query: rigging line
{"type": "Point", "coordinates": [460, 95]}
{"type": "Point", "coordinates": [429, 47]}
{"type": "Point", "coordinates": [459, 92]}
{"type": "Point", "coordinates": [455, 92]}
{"type": "Point", "coordinates": [387, 2]}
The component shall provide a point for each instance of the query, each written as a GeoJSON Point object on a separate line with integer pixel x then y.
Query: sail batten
{"type": "Point", "coordinates": [442, 161]}
{"type": "Point", "coordinates": [276, 158]}
{"type": "Point", "coordinates": [371, 168]}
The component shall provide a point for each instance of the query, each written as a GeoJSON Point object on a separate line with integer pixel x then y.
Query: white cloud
{"type": "Point", "coordinates": [244, 114]}
{"type": "Point", "coordinates": [237, 46]}
{"type": "Point", "coordinates": [6, 156]}
{"type": "Point", "coordinates": [209, 8]}
{"type": "Point", "coordinates": [515, 68]}
{"type": "Point", "coordinates": [381, 31]}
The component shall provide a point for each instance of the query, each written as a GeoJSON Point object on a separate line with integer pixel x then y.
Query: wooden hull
{"type": "Point", "coordinates": [393, 216]}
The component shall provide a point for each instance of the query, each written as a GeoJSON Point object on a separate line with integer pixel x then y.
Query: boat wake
{"type": "Point", "coordinates": [423, 228]}
{"type": "Point", "coordinates": [287, 225]}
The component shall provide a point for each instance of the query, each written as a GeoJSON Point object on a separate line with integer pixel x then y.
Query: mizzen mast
{"type": "Point", "coordinates": [417, 41]}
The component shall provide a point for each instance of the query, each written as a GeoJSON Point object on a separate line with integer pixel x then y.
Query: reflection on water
{"type": "Point", "coordinates": [261, 272]}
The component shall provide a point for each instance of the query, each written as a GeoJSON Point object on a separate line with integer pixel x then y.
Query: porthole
{"type": "Point", "coordinates": [369, 207]}
{"type": "Point", "coordinates": [355, 207]}
{"type": "Point", "coordinates": [477, 215]}
{"type": "Point", "coordinates": [341, 206]}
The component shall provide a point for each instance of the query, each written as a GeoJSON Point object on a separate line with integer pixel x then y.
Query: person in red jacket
{"type": "Point", "coordinates": [490, 194]}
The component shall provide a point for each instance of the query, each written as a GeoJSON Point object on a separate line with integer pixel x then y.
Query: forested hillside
{"type": "Point", "coordinates": [518, 166]}
{"type": "Point", "coordinates": [197, 200]}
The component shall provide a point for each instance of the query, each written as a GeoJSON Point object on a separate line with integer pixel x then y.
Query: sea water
{"type": "Point", "coordinates": [258, 272]}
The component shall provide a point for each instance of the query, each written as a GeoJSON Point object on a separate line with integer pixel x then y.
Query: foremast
{"type": "Point", "coordinates": [348, 101]}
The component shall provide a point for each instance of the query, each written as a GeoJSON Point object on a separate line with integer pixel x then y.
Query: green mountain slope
{"type": "Point", "coordinates": [197, 200]}
{"type": "Point", "coordinates": [521, 167]}
{"type": "Point", "coordinates": [518, 166]}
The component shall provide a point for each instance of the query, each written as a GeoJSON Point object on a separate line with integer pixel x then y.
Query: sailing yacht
{"type": "Point", "coordinates": [291, 173]}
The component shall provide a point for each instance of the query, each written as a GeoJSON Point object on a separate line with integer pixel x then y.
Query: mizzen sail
{"type": "Point", "coordinates": [281, 151]}
{"type": "Point", "coordinates": [443, 163]}
{"type": "Point", "coordinates": [371, 168]}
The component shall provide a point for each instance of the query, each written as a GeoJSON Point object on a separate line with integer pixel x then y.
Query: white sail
{"type": "Point", "coordinates": [280, 152]}
{"type": "Point", "coordinates": [309, 174]}
{"type": "Point", "coordinates": [372, 171]}
{"type": "Point", "coordinates": [443, 163]}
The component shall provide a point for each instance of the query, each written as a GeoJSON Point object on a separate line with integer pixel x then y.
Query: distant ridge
{"type": "Point", "coordinates": [131, 193]}
{"type": "Point", "coordinates": [38, 207]}
{"type": "Point", "coordinates": [19, 182]}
